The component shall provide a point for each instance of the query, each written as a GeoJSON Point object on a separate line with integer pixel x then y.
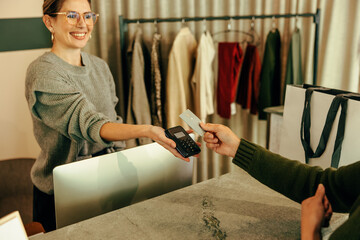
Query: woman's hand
{"type": "Point", "coordinates": [316, 212]}
{"type": "Point", "coordinates": [120, 131]}
{"type": "Point", "coordinates": [220, 139]}
{"type": "Point", "coordinates": [158, 135]}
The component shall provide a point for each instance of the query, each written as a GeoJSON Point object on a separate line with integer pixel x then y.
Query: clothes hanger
{"type": "Point", "coordinates": [155, 27]}
{"type": "Point", "coordinates": [256, 38]}
{"type": "Point", "coordinates": [138, 24]}
{"type": "Point", "coordinates": [230, 30]}
{"type": "Point", "coordinates": [183, 23]}
{"type": "Point", "coordinates": [273, 29]}
{"type": "Point", "coordinates": [204, 26]}
{"type": "Point", "coordinates": [297, 16]}
{"type": "Point", "coordinates": [296, 23]}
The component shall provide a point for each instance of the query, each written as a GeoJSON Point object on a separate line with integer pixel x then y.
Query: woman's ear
{"type": "Point", "coordinates": [48, 23]}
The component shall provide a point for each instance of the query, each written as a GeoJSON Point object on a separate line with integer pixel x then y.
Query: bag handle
{"type": "Point", "coordinates": [339, 100]}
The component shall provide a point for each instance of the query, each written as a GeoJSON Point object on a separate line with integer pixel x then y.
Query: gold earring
{"type": "Point", "coordinates": [52, 37]}
{"type": "Point", "coordinates": [90, 36]}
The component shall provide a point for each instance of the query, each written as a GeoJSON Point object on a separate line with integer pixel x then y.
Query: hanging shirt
{"type": "Point", "coordinates": [138, 105]}
{"type": "Point", "coordinates": [203, 78]}
{"type": "Point", "coordinates": [230, 59]}
{"type": "Point", "coordinates": [156, 83]}
{"type": "Point", "coordinates": [293, 65]}
{"type": "Point", "coordinates": [180, 70]}
{"type": "Point", "coordinates": [249, 80]}
{"type": "Point", "coordinates": [270, 77]}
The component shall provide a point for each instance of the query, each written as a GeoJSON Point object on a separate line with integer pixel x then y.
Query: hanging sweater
{"type": "Point", "coordinates": [299, 181]}
{"type": "Point", "coordinates": [180, 70]}
{"type": "Point", "coordinates": [230, 59]}
{"type": "Point", "coordinates": [270, 77]}
{"type": "Point", "coordinates": [249, 80]}
{"type": "Point", "coordinates": [156, 95]}
{"type": "Point", "coordinates": [203, 78]}
{"type": "Point", "coordinates": [68, 105]}
{"type": "Point", "coordinates": [138, 111]}
{"type": "Point", "coordinates": [293, 65]}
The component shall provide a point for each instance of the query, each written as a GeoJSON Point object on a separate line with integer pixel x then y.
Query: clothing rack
{"type": "Point", "coordinates": [316, 20]}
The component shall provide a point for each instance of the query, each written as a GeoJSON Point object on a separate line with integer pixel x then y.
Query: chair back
{"type": "Point", "coordinates": [16, 188]}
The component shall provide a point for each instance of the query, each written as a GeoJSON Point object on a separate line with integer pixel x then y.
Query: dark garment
{"type": "Point", "coordinates": [293, 65]}
{"type": "Point", "coordinates": [230, 59]}
{"type": "Point", "coordinates": [44, 209]}
{"type": "Point", "coordinates": [270, 78]}
{"type": "Point", "coordinates": [249, 80]}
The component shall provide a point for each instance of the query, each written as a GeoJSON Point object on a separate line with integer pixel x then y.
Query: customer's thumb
{"type": "Point", "coordinates": [209, 127]}
{"type": "Point", "coordinates": [320, 192]}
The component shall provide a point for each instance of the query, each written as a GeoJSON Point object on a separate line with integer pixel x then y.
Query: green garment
{"type": "Point", "coordinates": [299, 181]}
{"type": "Point", "coordinates": [270, 77]}
{"type": "Point", "coordinates": [68, 105]}
{"type": "Point", "coordinates": [293, 65]}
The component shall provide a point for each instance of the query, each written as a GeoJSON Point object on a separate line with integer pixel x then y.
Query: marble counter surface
{"type": "Point", "coordinates": [233, 206]}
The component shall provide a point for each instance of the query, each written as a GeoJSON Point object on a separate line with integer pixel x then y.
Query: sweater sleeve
{"type": "Point", "coordinates": [70, 114]}
{"type": "Point", "coordinates": [299, 181]}
{"type": "Point", "coordinates": [61, 106]}
{"type": "Point", "coordinates": [349, 229]}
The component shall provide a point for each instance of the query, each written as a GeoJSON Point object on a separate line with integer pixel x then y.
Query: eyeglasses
{"type": "Point", "coordinates": [73, 17]}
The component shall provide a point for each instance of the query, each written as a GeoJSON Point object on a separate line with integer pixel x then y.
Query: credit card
{"type": "Point", "coordinates": [193, 121]}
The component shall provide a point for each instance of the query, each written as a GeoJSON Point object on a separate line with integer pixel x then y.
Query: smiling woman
{"type": "Point", "coordinates": [69, 28]}
{"type": "Point", "coordinates": [71, 97]}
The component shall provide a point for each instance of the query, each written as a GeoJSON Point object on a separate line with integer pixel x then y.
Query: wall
{"type": "Point", "coordinates": [17, 138]}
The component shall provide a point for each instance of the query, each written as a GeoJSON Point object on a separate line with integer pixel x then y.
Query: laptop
{"type": "Point", "coordinates": [11, 227]}
{"type": "Point", "coordinates": [98, 185]}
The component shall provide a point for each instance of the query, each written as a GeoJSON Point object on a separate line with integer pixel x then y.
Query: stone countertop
{"type": "Point", "coordinates": [233, 206]}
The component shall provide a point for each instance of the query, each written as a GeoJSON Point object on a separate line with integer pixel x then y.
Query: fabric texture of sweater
{"type": "Point", "coordinates": [68, 105]}
{"type": "Point", "coordinates": [299, 181]}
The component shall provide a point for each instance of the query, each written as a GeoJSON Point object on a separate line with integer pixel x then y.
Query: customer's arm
{"type": "Point", "coordinates": [294, 179]}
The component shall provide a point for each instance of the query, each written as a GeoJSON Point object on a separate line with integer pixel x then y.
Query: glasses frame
{"type": "Point", "coordinates": [78, 19]}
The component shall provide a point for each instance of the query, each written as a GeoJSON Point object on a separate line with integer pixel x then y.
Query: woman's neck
{"type": "Point", "coordinates": [72, 56]}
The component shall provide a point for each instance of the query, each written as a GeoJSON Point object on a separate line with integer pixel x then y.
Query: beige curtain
{"type": "Point", "coordinates": [338, 54]}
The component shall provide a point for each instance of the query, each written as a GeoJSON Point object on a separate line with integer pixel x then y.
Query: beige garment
{"type": "Point", "coordinates": [138, 106]}
{"type": "Point", "coordinates": [156, 84]}
{"type": "Point", "coordinates": [180, 69]}
{"type": "Point", "coordinates": [203, 78]}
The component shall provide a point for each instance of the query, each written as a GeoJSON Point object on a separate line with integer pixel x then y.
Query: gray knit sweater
{"type": "Point", "coordinates": [68, 105]}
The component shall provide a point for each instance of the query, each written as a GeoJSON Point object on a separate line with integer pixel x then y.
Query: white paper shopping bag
{"type": "Point", "coordinates": [291, 145]}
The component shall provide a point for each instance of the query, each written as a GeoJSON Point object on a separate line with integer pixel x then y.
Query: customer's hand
{"type": "Point", "coordinates": [158, 135]}
{"type": "Point", "coordinates": [220, 139]}
{"type": "Point", "coordinates": [316, 212]}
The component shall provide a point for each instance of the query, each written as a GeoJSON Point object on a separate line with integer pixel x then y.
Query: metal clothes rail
{"type": "Point", "coordinates": [316, 20]}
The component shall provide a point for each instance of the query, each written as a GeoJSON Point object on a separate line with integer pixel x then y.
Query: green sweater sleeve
{"type": "Point", "coordinates": [70, 114]}
{"type": "Point", "coordinates": [299, 181]}
{"type": "Point", "coordinates": [350, 229]}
